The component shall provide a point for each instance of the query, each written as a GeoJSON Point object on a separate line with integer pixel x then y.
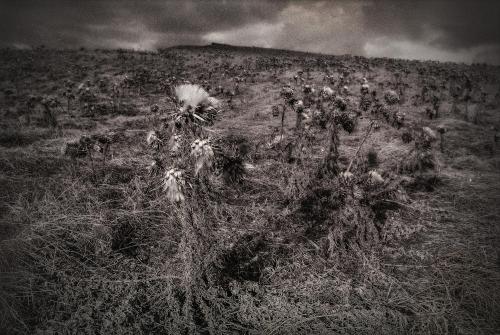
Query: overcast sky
{"type": "Point", "coordinates": [453, 30]}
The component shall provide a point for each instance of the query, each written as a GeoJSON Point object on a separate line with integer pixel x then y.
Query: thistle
{"type": "Point", "coordinates": [172, 185]}
{"type": "Point", "coordinates": [202, 151]}
{"type": "Point", "coordinates": [308, 89]}
{"type": "Point", "coordinates": [375, 177]}
{"type": "Point", "coordinates": [153, 140]}
{"type": "Point", "coordinates": [299, 109]}
{"type": "Point", "coordinates": [346, 175]}
{"type": "Point", "coordinates": [391, 97]}
{"type": "Point", "coordinates": [399, 119]}
{"type": "Point", "coordinates": [326, 92]}
{"type": "Point", "coordinates": [429, 134]}
{"type": "Point", "coordinates": [287, 94]}
{"type": "Point", "coordinates": [175, 144]}
{"type": "Point", "coordinates": [365, 88]}
{"type": "Point", "coordinates": [190, 96]}
{"type": "Point", "coordinates": [299, 106]}
{"type": "Point", "coordinates": [154, 108]}
{"type": "Point", "coordinates": [154, 167]}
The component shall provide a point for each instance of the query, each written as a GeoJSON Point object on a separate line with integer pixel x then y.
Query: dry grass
{"type": "Point", "coordinates": [93, 246]}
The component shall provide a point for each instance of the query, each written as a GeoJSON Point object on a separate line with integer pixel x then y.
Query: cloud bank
{"type": "Point", "coordinates": [451, 30]}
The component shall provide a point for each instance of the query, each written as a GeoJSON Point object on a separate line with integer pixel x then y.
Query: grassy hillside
{"type": "Point", "coordinates": [275, 237]}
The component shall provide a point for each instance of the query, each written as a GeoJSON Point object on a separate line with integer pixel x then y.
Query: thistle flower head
{"type": "Point", "coordinates": [176, 143]}
{"type": "Point", "coordinates": [375, 177]}
{"type": "Point", "coordinates": [306, 119]}
{"type": "Point", "coordinates": [365, 88]}
{"type": "Point", "coordinates": [203, 152]}
{"type": "Point", "coordinates": [190, 95]}
{"type": "Point", "coordinates": [154, 108]}
{"type": "Point", "coordinates": [154, 167]}
{"type": "Point", "coordinates": [400, 117]}
{"type": "Point", "coordinates": [429, 134]}
{"type": "Point", "coordinates": [308, 89]}
{"type": "Point", "coordinates": [173, 182]}
{"type": "Point", "coordinates": [346, 175]}
{"type": "Point", "coordinates": [152, 139]}
{"type": "Point", "coordinates": [326, 92]}
{"type": "Point", "coordinates": [287, 92]}
{"type": "Point", "coordinates": [299, 105]}
{"type": "Point", "coordinates": [391, 97]}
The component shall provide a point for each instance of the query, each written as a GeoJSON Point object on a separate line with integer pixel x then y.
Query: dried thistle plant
{"type": "Point", "coordinates": [175, 143]}
{"type": "Point", "coordinates": [153, 140]}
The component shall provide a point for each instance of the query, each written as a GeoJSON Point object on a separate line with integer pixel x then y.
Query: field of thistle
{"type": "Point", "coordinates": [219, 189]}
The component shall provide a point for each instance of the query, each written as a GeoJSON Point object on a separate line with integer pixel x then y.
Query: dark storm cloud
{"type": "Point", "coordinates": [62, 23]}
{"type": "Point", "coordinates": [456, 23]}
{"type": "Point", "coordinates": [55, 23]}
{"type": "Point", "coordinates": [456, 30]}
{"type": "Point", "coordinates": [202, 16]}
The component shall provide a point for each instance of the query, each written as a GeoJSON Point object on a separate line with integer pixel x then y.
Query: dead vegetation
{"type": "Point", "coordinates": [279, 206]}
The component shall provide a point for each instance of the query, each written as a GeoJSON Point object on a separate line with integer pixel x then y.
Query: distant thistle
{"type": "Point", "coordinates": [154, 108]}
{"type": "Point", "coordinates": [399, 119]}
{"type": "Point", "coordinates": [347, 121]}
{"type": "Point", "coordinates": [288, 95]}
{"type": "Point", "coordinates": [347, 176]}
{"type": "Point", "coordinates": [340, 103]}
{"type": "Point", "coordinates": [155, 167]}
{"type": "Point", "coordinates": [375, 177]}
{"type": "Point", "coordinates": [365, 88]}
{"type": "Point", "coordinates": [175, 144]}
{"type": "Point", "coordinates": [153, 140]}
{"type": "Point", "coordinates": [407, 136]}
{"type": "Point", "coordinates": [391, 97]}
{"type": "Point", "coordinates": [326, 92]}
{"type": "Point", "coordinates": [345, 90]}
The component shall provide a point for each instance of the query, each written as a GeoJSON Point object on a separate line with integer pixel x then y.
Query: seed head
{"type": "Point", "coordinates": [172, 184]}
{"type": "Point", "coordinates": [203, 153]}
{"type": "Point", "coordinates": [375, 177]}
{"type": "Point", "coordinates": [152, 139]}
{"type": "Point", "coordinates": [176, 143]}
